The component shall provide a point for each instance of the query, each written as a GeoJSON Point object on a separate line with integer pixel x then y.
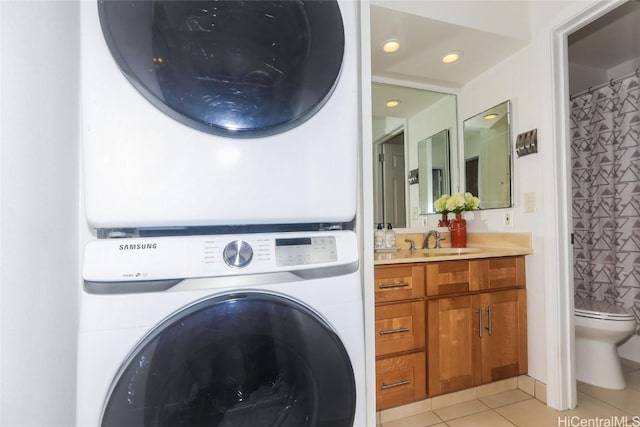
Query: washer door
{"type": "Point", "coordinates": [246, 359]}
{"type": "Point", "coordinates": [230, 68]}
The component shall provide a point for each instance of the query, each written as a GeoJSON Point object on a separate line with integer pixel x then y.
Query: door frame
{"type": "Point", "coordinates": [561, 379]}
{"type": "Point", "coordinates": [379, 214]}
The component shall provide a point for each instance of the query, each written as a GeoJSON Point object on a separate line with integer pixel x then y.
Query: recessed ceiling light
{"type": "Point", "coordinates": [392, 103]}
{"type": "Point", "coordinates": [490, 116]}
{"type": "Point", "coordinates": [450, 57]}
{"type": "Point", "coordinates": [390, 46]}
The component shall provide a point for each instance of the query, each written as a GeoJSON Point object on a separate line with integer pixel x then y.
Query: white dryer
{"type": "Point", "coordinates": [236, 330]}
{"type": "Point", "coordinates": [199, 113]}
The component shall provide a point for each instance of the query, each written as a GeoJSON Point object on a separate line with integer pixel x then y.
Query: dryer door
{"type": "Point", "coordinates": [244, 359]}
{"type": "Point", "coordinates": [230, 68]}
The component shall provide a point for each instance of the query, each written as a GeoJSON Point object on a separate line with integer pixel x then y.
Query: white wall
{"type": "Point", "coordinates": [626, 67]}
{"type": "Point", "coordinates": [39, 273]}
{"type": "Point", "coordinates": [532, 81]}
{"type": "Point", "coordinates": [582, 77]}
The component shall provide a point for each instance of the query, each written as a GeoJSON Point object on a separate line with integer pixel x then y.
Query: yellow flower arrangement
{"type": "Point", "coordinates": [457, 203]}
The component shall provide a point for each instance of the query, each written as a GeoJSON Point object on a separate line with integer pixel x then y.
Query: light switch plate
{"type": "Point", "coordinates": [415, 212]}
{"type": "Point", "coordinates": [529, 202]}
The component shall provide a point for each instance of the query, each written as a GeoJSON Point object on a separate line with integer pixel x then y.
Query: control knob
{"type": "Point", "coordinates": [237, 254]}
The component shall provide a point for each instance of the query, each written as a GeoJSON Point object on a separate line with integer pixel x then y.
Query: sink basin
{"type": "Point", "coordinates": [450, 251]}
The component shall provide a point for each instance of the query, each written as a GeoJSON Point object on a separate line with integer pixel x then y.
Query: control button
{"type": "Point", "coordinates": [237, 254]}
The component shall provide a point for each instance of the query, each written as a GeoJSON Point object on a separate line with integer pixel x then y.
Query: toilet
{"type": "Point", "coordinates": [600, 327]}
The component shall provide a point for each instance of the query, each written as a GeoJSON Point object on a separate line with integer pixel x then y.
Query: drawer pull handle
{"type": "Point", "coordinates": [490, 317]}
{"type": "Point", "coordinates": [479, 313]}
{"type": "Point", "coordinates": [393, 285]}
{"type": "Point", "coordinates": [398, 384]}
{"type": "Point", "coordinates": [393, 331]}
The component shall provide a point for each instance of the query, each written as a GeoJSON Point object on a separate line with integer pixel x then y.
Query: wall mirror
{"type": "Point", "coordinates": [433, 170]}
{"type": "Point", "coordinates": [420, 118]}
{"type": "Point", "coordinates": [487, 156]}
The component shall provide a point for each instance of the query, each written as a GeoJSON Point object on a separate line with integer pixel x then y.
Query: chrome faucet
{"type": "Point", "coordinates": [412, 244]}
{"type": "Point", "coordinates": [436, 235]}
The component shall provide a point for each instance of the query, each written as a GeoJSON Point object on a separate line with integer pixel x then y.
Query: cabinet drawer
{"type": "Point", "coordinates": [400, 380]}
{"type": "Point", "coordinates": [449, 277]}
{"type": "Point", "coordinates": [399, 327]}
{"type": "Point", "coordinates": [395, 283]}
{"type": "Point", "coordinates": [505, 272]}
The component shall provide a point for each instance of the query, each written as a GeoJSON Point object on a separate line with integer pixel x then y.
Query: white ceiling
{"type": "Point", "coordinates": [425, 40]}
{"type": "Point", "coordinates": [484, 43]}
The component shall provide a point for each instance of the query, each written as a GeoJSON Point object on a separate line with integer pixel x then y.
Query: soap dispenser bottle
{"type": "Point", "coordinates": [390, 237]}
{"type": "Point", "coordinates": [379, 237]}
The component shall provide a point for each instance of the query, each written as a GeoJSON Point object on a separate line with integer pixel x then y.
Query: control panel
{"type": "Point", "coordinates": [158, 258]}
{"type": "Point", "coordinates": [305, 250]}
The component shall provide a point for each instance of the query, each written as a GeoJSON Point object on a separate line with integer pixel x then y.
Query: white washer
{"type": "Point", "coordinates": [252, 125]}
{"type": "Point", "coordinates": [263, 329]}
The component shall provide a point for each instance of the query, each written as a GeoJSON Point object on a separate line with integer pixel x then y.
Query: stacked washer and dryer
{"type": "Point", "coordinates": [220, 144]}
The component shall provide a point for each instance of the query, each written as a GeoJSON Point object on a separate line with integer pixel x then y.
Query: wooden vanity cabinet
{"type": "Point", "coordinates": [400, 335]}
{"type": "Point", "coordinates": [480, 336]}
{"type": "Point", "coordinates": [448, 325]}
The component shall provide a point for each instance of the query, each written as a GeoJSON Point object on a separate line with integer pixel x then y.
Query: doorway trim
{"type": "Point", "coordinates": [560, 301]}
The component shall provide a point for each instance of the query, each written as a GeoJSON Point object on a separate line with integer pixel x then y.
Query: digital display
{"type": "Point", "coordinates": [295, 251]}
{"type": "Point", "coordinates": [294, 242]}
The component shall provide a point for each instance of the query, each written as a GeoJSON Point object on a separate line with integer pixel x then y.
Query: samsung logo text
{"type": "Point", "coordinates": [137, 246]}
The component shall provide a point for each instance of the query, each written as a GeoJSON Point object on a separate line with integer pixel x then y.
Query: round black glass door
{"type": "Point", "coordinates": [230, 68]}
{"type": "Point", "coordinates": [246, 359]}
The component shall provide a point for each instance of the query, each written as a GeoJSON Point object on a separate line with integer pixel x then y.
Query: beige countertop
{"type": "Point", "coordinates": [479, 245]}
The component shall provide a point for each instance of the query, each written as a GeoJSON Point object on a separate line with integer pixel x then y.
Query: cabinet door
{"type": "Point", "coordinates": [399, 327]}
{"type": "Point", "coordinates": [454, 343]}
{"type": "Point", "coordinates": [504, 341]}
{"type": "Point", "coordinates": [395, 283]}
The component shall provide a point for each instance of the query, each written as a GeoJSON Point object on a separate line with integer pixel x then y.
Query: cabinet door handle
{"type": "Point", "coordinates": [393, 285]}
{"type": "Point", "coordinates": [479, 313]}
{"type": "Point", "coordinates": [490, 319]}
{"type": "Point", "coordinates": [394, 331]}
{"type": "Point", "coordinates": [398, 384]}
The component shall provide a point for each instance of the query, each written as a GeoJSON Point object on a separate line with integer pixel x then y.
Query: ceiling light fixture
{"type": "Point", "coordinates": [490, 116]}
{"type": "Point", "coordinates": [390, 46]}
{"type": "Point", "coordinates": [392, 103]}
{"type": "Point", "coordinates": [450, 57]}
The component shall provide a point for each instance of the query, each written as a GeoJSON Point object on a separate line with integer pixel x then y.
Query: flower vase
{"type": "Point", "coordinates": [444, 222]}
{"type": "Point", "coordinates": [458, 229]}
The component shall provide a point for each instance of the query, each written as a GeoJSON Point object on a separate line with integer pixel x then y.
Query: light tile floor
{"type": "Point", "coordinates": [596, 407]}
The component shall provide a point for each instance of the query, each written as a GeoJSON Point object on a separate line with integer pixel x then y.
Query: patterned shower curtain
{"type": "Point", "coordinates": [605, 158]}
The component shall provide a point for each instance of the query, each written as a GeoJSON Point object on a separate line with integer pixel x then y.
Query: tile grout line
{"type": "Point", "coordinates": [462, 416]}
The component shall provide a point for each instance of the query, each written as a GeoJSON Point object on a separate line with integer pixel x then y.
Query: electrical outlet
{"type": "Point", "coordinates": [425, 221]}
{"type": "Point", "coordinates": [507, 220]}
